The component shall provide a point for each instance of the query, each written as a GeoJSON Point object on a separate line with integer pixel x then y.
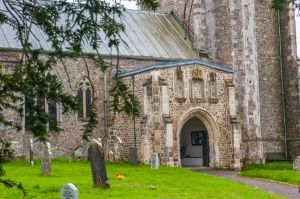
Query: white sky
{"type": "Point", "coordinates": [298, 33]}
{"type": "Point", "coordinates": [129, 4]}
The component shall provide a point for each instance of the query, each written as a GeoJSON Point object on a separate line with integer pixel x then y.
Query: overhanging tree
{"type": "Point", "coordinates": [64, 24]}
{"type": "Point", "coordinates": [281, 4]}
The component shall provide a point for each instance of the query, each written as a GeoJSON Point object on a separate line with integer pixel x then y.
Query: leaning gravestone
{"type": "Point", "coordinates": [296, 163]}
{"type": "Point", "coordinates": [154, 161]}
{"type": "Point", "coordinates": [69, 191]}
{"type": "Point", "coordinates": [96, 156]}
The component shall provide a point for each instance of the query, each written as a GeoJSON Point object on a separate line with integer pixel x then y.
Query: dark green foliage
{"type": "Point", "coordinates": [6, 154]}
{"type": "Point", "coordinates": [33, 78]}
{"type": "Point", "coordinates": [150, 4]}
{"type": "Point", "coordinates": [91, 124]}
{"type": "Point", "coordinates": [281, 4]}
{"type": "Point", "coordinates": [278, 4]}
{"type": "Point", "coordinates": [123, 99]}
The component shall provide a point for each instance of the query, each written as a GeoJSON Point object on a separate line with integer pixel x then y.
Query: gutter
{"type": "Point", "coordinates": [282, 84]}
{"type": "Point", "coordinates": [105, 56]}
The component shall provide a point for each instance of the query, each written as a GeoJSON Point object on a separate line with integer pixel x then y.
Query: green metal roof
{"type": "Point", "coordinates": [147, 35]}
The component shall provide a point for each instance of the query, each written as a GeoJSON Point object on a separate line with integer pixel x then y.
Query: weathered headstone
{"type": "Point", "coordinates": [296, 163]}
{"type": "Point", "coordinates": [69, 191]}
{"type": "Point", "coordinates": [111, 156]}
{"type": "Point", "coordinates": [46, 159]}
{"type": "Point", "coordinates": [31, 161]}
{"type": "Point", "coordinates": [79, 153]}
{"type": "Point", "coordinates": [154, 161]}
{"type": "Point", "coordinates": [133, 159]}
{"type": "Point", "coordinates": [105, 145]}
{"type": "Point", "coordinates": [96, 157]}
{"type": "Point", "coordinates": [118, 148]}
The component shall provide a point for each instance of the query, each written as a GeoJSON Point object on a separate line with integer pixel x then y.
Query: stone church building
{"type": "Point", "coordinates": [218, 84]}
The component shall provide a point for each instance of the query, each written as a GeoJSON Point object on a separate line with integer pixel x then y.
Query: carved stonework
{"type": "Point", "coordinates": [179, 85]}
{"type": "Point", "coordinates": [162, 81]}
{"type": "Point", "coordinates": [179, 74]}
{"type": "Point", "coordinates": [197, 74]}
{"type": "Point", "coordinates": [197, 88]}
{"type": "Point", "coordinates": [213, 93]}
{"type": "Point", "coordinates": [212, 76]}
{"type": "Point", "coordinates": [197, 100]}
{"type": "Point", "coordinates": [111, 120]}
{"type": "Point", "coordinates": [180, 100]}
{"type": "Point", "coordinates": [214, 101]}
{"type": "Point", "coordinates": [148, 82]}
{"type": "Point", "coordinates": [229, 83]}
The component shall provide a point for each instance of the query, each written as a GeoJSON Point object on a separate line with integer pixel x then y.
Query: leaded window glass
{"type": "Point", "coordinates": [84, 94]}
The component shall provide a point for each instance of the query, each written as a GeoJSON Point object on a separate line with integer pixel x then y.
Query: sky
{"type": "Point", "coordinates": [298, 33]}
{"type": "Point", "coordinates": [129, 4]}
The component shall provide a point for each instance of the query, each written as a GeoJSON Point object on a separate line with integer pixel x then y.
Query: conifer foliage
{"type": "Point", "coordinates": [67, 26]}
{"type": "Point", "coordinates": [5, 154]}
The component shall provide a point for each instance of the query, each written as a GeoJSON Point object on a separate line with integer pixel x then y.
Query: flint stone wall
{"type": "Point", "coordinates": [69, 139]}
{"type": "Point", "coordinates": [151, 128]}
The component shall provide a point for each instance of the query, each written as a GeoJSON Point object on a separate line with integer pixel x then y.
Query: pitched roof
{"type": "Point", "coordinates": [147, 35]}
{"type": "Point", "coordinates": [138, 70]}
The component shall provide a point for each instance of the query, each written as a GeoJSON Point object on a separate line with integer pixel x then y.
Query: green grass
{"type": "Point", "coordinates": [170, 183]}
{"type": "Point", "coordinates": [277, 171]}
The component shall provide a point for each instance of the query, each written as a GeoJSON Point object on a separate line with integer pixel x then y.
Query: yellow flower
{"type": "Point", "coordinates": [120, 177]}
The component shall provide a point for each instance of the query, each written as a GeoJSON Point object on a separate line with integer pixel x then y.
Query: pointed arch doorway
{"type": "Point", "coordinates": [194, 144]}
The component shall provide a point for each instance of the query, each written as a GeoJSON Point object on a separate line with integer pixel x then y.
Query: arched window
{"type": "Point", "coordinates": [50, 107]}
{"type": "Point", "coordinates": [84, 94]}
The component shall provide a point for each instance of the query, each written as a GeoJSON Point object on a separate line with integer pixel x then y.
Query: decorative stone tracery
{"type": "Point", "coordinates": [213, 88]}
{"type": "Point", "coordinates": [179, 85]}
{"type": "Point", "coordinates": [197, 86]}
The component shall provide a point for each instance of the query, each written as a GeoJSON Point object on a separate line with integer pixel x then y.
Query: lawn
{"type": "Point", "coordinates": [277, 171]}
{"type": "Point", "coordinates": [169, 182]}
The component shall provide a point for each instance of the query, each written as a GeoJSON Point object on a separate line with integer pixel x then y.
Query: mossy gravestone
{"type": "Point", "coordinates": [296, 163]}
{"type": "Point", "coordinates": [154, 161]}
{"type": "Point", "coordinates": [69, 191]}
{"type": "Point", "coordinates": [96, 157]}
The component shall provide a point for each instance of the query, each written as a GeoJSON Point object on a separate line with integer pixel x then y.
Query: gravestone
{"type": "Point", "coordinates": [133, 159]}
{"type": "Point", "coordinates": [78, 154]}
{"type": "Point", "coordinates": [154, 161]}
{"type": "Point", "coordinates": [69, 191]}
{"type": "Point", "coordinates": [46, 159]}
{"type": "Point", "coordinates": [31, 162]}
{"type": "Point", "coordinates": [111, 156]}
{"type": "Point", "coordinates": [96, 157]}
{"type": "Point", "coordinates": [118, 148]}
{"type": "Point", "coordinates": [81, 152]}
{"type": "Point", "coordinates": [296, 163]}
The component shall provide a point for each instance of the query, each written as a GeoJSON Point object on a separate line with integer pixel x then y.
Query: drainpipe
{"type": "Point", "coordinates": [105, 104]}
{"type": "Point", "coordinates": [134, 133]}
{"type": "Point", "coordinates": [282, 84]}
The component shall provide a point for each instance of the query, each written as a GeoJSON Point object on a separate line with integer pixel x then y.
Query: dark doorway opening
{"type": "Point", "coordinates": [194, 144]}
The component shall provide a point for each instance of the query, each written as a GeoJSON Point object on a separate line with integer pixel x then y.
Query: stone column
{"type": "Point", "coordinates": [236, 133]}
{"type": "Point", "coordinates": [157, 119]}
{"type": "Point", "coordinates": [169, 156]}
